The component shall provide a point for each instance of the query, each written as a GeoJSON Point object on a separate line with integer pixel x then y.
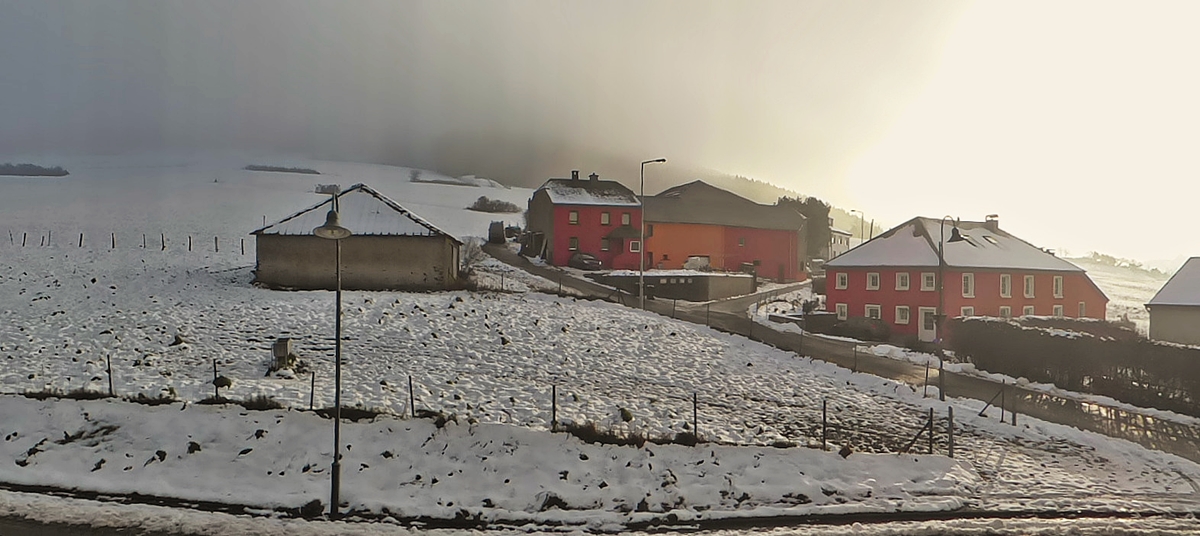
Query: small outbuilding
{"type": "Point", "coordinates": [390, 248]}
{"type": "Point", "coordinates": [1175, 309]}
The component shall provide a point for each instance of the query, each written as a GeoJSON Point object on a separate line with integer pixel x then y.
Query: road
{"type": "Point", "coordinates": [730, 316]}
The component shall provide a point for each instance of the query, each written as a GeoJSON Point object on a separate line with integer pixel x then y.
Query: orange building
{"type": "Point", "coordinates": [709, 226]}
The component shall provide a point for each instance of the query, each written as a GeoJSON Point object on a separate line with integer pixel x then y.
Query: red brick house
{"type": "Point", "coordinates": [894, 277]}
{"type": "Point", "coordinates": [590, 215]}
{"type": "Point", "coordinates": [723, 230]}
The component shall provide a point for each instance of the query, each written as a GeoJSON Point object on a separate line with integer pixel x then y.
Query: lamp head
{"type": "Point", "coordinates": [332, 229]}
{"type": "Point", "coordinates": [955, 236]}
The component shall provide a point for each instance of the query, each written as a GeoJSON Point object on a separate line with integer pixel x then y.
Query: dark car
{"type": "Point", "coordinates": [584, 261]}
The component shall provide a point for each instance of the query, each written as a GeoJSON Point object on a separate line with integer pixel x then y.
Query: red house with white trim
{"type": "Point", "coordinates": [590, 215]}
{"type": "Point", "coordinates": [986, 271]}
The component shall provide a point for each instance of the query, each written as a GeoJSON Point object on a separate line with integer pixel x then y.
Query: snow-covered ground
{"type": "Point", "coordinates": [489, 358]}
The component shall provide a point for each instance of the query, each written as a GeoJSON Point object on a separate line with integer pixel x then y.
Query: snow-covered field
{"type": "Point", "coordinates": [1128, 290]}
{"type": "Point", "coordinates": [489, 358]}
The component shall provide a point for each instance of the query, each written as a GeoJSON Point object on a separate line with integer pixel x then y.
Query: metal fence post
{"type": "Point", "coordinates": [950, 429]}
{"type": "Point", "coordinates": [824, 424]}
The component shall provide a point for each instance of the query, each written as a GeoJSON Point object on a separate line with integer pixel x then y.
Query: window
{"type": "Point", "coordinates": [872, 311]}
{"type": "Point", "coordinates": [967, 311]}
{"type": "Point", "coordinates": [625, 218]}
{"type": "Point", "coordinates": [649, 229]}
{"type": "Point", "coordinates": [928, 281]}
{"type": "Point", "coordinates": [742, 242]}
{"type": "Point", "coordinates": [1005, 285]}
{"type": "Point", "coordinates": [901, 314]}
{"type": "Point", "coordinates": [1058, 286]}
{"type": "Point", "coordinates": [1027, 311]}
{"type": "Point", "coordinates": [968, 284]}
{"type": "Point", "coordinates": [1028, 286]}
{"type": "Point", "coordinates": [872, 281]}
{"type": "Point", "coordinates": [901, 280]}
{"type": "Point", "coordinates": [841, 311]}
{"type": "Point", "coordinates": [603, 244]}
{"type": "Point", "coordinates": [573, 217]}
{"type": "Point", "coordinates": [573, 243]}
{"type": "Point", "coordinates": [604, 218]}
{"type": "Point", "coordinates": [1058, 310]}
{"type": "Point", "coordinates": [843, 281]}
{"type": "Point", "coordinates": [1005, 311]}
{"type": "Point", "coordinates": [662, 281]}
{"type": "Point", "coordinates": [635, 246]}
{"type": "Point", "coordinates": [1082, 310]}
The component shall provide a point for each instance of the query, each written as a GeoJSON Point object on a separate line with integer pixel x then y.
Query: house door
{"type": "Point", "coordinates": [928, 328]}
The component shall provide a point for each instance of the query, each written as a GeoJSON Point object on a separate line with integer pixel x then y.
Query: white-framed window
{"type": "Point", "coordinates": [1028, 286]}
{"type": "Point", "coordinates": [1027, 310]}
{"type": "Point", "coordinates": [1058, 310]}
{"type": "Point", "coordinates": [625, 218]}
{"type": "Point", "coordinates": [842, 311]}
{"type": "Point", "coordinates": [873, 311]}
{"type": "Point", "coordinates": [742, 242]}
{"type": "Point", "coordinates": [928, 281]}
{"type": "Point", "coordinates": [872, 280]}
{"type": "Point", "coordinates": [843, 281]}
{"type": "Point", "coordinates": [604, 218]}
{"type": "Point", "coordinates": [901, 314]}
{"type": "Point", "coordinates": [1058, 286]}
{"type": "Point", "coordinates": [901, 280]}
{"type": "Point", "coordinates": [968, 285]}
{"type": "Point", "coordinates": [635, 246]}
{"type": "Point", "coordinates": [1082, 310]}
{"type": "Point", "coordinates": [573, 243]}
{"type": "Point", "coordinates": [1005, 285]}
{"type": "Point", "coordinates": [603, 244]}
{"type": "Point", "coordinates": [573, 217]}
{"type": "Point", "coordinates": [968, 311]}
{"type": "Point", "coordinates": [1005, 311]}
{"type": "Point", "coordinates": [662, 281]}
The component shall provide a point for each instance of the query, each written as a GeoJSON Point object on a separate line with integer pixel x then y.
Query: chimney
{"type": "Point", "coordinates": [992, 223]}
{"type": "Point", "coordinates": [574, 174]}
{"type": "Point", "coordinates": [594, 177]}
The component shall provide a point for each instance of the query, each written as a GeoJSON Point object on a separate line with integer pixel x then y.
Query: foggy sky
{"type": "Point", "coordinates": [789, 92]}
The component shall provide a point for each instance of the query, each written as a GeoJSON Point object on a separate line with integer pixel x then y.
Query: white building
{"type": "Point", "coordinates": [1175, 310]}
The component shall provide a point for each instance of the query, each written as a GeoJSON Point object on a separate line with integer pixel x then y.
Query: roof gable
{"type": "Point", "coordinates": [915, 243]}
{"type": "Point", "coordinates": [588, 192]}
{"type": "Point", "coordinates": [1183, 288]}
{"type": "Point", "coordinates": [364, 211]}
{"type": "Point", "coordinates": [701, 203]}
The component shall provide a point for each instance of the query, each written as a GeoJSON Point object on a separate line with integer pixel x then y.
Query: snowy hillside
{"type": "Point", "coordinates": [214, 196]}
{"type": "Point", "coordinates": [1128, 289]}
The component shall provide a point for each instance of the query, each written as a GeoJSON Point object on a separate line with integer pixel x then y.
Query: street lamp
{"type": "Point", "coordinates": [642, 234]}
{"type": "Point", "coordinates": [955, 236]}
{"type": "Point", "coordinates": [333, 230]}
{"type": "Point", "coordinates": [862, 237]}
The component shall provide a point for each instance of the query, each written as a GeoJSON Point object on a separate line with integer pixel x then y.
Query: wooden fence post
{"type": "Point", "coordinates": [24, 235]}
{"type": "Point", "coordinates": [824, 424]}
{"type": "Point", "coordinates": [143, 240]}
{"type": "Point", "coordinates": [950, 429]}
{"type": "Point", "coordinates": [114, 240]}
{"type": "Point", "coordinates": [553, 408]}
{"type": "Point", "coordinates": [243, 246]}
{"type": "Point", "coordinates": [163, 236]}
{"type": "Point", "coordinates": [925, 393]}
{"type": "Point", "coordinates": [108, 361]}
{"type": "Point", "coordinates": [412, 403]}
{"type": "Point", "coordinates": [80, 239]}
{"type": "Point", "coordinates": [695, 416]}
{"type": "Point", "coordinates": [216, 245]}
{"type": "Point", "coordinates": [189, 242]}
{"type": "Point", "coordinates": [931, 430]}
{"type": "Point", "coordinates": [312, 391]}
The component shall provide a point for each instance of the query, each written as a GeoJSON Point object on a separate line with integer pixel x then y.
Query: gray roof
{"type": "Point", "coordinates": [364, 211]}
{"type": "Point", "coordinates": [702, 203]}
{"type": "Point", "coordinates": [915, 243]}
{"type": "Point", "coordinates": [589, 192]}
{"type": "Point", "coordinates": [1183, 288]}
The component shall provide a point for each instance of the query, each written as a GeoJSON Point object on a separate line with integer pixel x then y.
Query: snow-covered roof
{"type": "Point", "coordinates": [364, 211]}
{"type": "Point", "coordinates": [835, 230]}
{"type": "Point", "coordinates": [702, 203]}
{"type": "Point", "coordinates": [589, 192]}
{"type": "Point", "coordinates": [1183, 288]}
{"type": "Point", "coordinates": [985, 245]}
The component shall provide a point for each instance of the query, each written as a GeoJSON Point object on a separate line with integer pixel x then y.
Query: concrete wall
{"type": "Point", "coordinates": [691, 287]}
{"type": "Point", "coordinates": [368, 262]}
{"type": "Point", "coordinates": [1175, 324]}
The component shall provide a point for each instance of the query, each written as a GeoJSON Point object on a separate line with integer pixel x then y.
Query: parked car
{"type": "Point", "coordinates": [584, 261]}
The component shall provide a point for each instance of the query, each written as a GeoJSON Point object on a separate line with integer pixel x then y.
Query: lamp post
{"type": "Point", "coordinates": [861, 236]}
{"type": "Point", "coordinates": [642, 233]}
{"type": "Point", "coordinates": [955, 236]}
{"type": "Point", "coordinates": [333, 230]}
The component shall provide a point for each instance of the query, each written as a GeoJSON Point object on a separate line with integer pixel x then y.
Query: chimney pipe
{"type": "Point", "coordinates": [594, 177]}
{"type": "Point", "coordinates": [574, 174]}
{"type": "Point", "coordinates": [992, 222]}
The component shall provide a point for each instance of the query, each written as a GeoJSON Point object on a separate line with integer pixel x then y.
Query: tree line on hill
{"type": "Point", "coordinates": [31, 170]}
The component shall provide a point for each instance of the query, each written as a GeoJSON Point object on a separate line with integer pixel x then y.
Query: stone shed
{"type": "Point", "coordinates": [390, 248]}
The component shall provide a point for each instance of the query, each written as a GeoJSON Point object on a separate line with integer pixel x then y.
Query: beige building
{"type": "Point", "coordinates": [1175, 310]}
{"type": "Point", "coordinates": [390, 249]}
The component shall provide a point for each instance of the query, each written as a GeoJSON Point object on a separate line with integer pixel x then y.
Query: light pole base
{"type": "Point", "coordinates": [333, 492]}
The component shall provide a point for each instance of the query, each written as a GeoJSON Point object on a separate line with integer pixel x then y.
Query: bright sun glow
{"type": "Point", "coordinates": [1076, 122]}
